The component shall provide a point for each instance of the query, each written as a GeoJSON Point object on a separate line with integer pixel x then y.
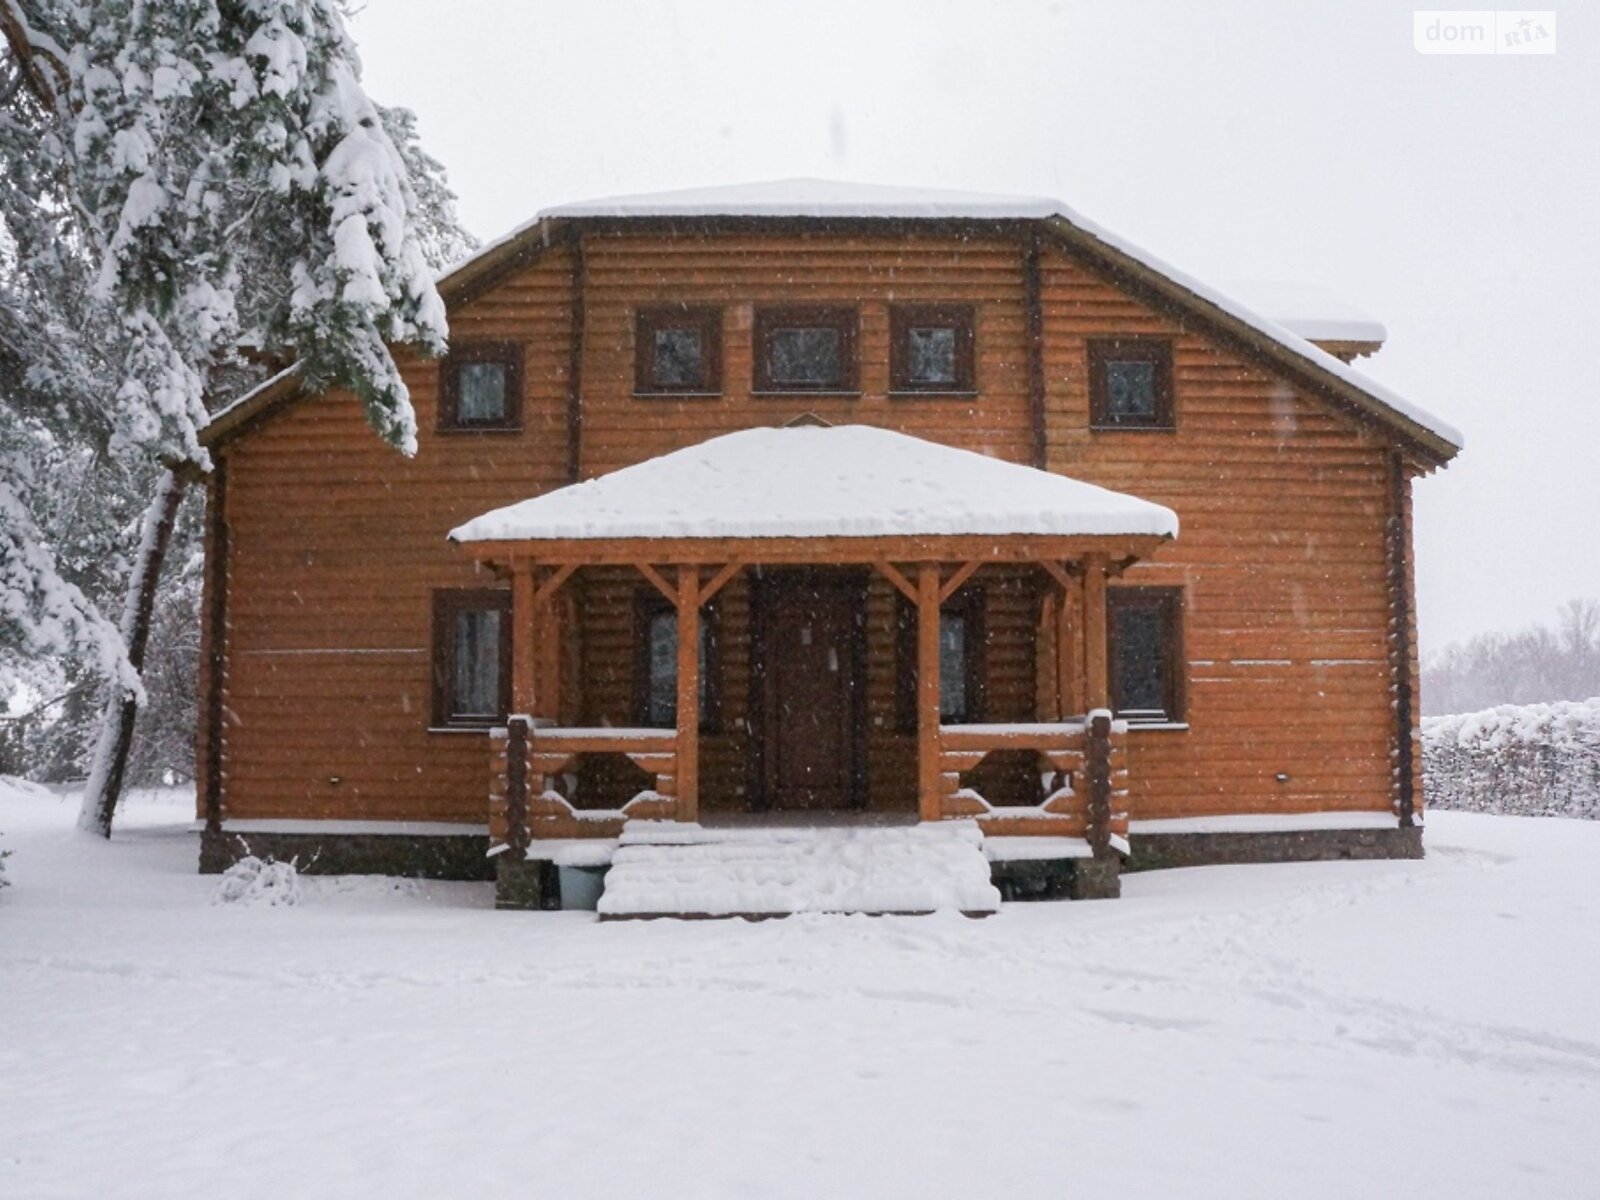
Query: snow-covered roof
{"type": "Point", "coordinates": [1316, 313]}
{"type": "Point", "coordinates": [815, 198]}
{"type": "Point", "coordinates": [821, 481]}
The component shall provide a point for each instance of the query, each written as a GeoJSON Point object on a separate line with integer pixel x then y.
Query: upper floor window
{"type": "Point", "coordinates": [805, 350]}
{"type": "Point", "coordinates": [480, 386]}
{"type": "Point", "coordinates": [931, 349]}
{"type": "Point", "coordinates": [1130, 384]}
{"type": "Point", "coordinates": [1145, 654]}
{"type": "Point", "coordinates": [471, 656]}
{"type": "Point", "coordinates": [678, 351]}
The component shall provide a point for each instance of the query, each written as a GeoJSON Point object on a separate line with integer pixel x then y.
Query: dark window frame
{"type": "Point", "coordinates": [903, 318]}
{"type": "Point", "coordinates": [648, 603]}
{"type": "Point", "coordinates": [648, 321]}
{"type": "Point", "coordinates": [1170, 601]}
{"type": "Point", "coordinates": [510, 355]}
{"type": "Point", "coordinates": [1157, 351]}
{"type": "Point", "coordinates": [969, 605]}
{"type": "Point", "coordinates": [447, 602]}
{"type": "Point", "coordinates": [770, 318]}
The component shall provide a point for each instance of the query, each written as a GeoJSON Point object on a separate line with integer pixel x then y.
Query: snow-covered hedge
{"type": "Point", "coordinates": [1532, 759]}
{"type": "Point", "coordinates": [262, 882]}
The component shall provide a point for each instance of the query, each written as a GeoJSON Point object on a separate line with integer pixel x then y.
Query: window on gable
{"type": "Point", "coordinates": [1145, 631]}
{"type": "Point", "coordinates": [480, 386]}
{"type": "Point", "coordinates": [678, 351]}
{"type": "Point", "coordinates": [960, 661]}
{"type": "Point", "coordinates": [805, 350]}
{"type": "Point", "coordinates": [471, 656]}
{"type": "Point", "coordinates": [931, 349]}
{"type": "Point", "coordinates": [1130, 384]}
{"type": "Point", "coordinates": [656, 679]}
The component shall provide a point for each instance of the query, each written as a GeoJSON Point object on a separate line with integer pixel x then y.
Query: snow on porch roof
{"type": "Point", "coordinates": [815, 198]}
{"type": "Point", "coordinates": [821, 481]}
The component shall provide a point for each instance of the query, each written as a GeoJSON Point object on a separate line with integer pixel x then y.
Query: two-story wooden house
{"type": "Point", "coordinates": [820, 505]}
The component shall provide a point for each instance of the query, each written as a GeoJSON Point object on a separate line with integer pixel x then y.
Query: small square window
{"type": "Point", "coordinates": [677, 351]}
{"type": "Point", "coordinates": [480, 386]}
{"type": "Point", "coordinates": [1144, 628]}
{"type": "Point", "coordinates": [471, 656]}
{"type": "Point", "coordinates": [1130, 384]}
{"type": "Point", "coordinates": [805, 350]}
{"type": "Point", "coordinates": [932, 349]}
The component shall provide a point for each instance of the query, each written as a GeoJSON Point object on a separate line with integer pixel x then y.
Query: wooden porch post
{"type": "Point", "coordinates": [688, 752]}
{"type": "Point", "coordinates": [930, 806]}
{"type": "Point", "coordinates": [1097, 688]}
{"type": "Point", "coordinates": [524, 653]}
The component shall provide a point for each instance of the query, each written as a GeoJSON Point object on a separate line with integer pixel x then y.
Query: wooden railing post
{"type": "Point", "coordinates": [688, 752]}
{"type": "Point", "coordinates": [1097, 765]}
{"type": "Point", "coordinates": [517, 833]}
{"type": "Point", "coordinates": [930, 802]}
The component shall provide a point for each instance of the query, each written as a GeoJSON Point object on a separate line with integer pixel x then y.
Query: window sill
{"type": "Point", "coordinates": [456, 429]}
{"type": "Point", "coordinates": [644, 395]}
{"type": "Point", "coordinates": [480, 730]}
{"type": "Point", "coordinates": [1132, 428]}
{"type": "Point", "coordinates": [1158, 726]}
{"type": "Point", "coordinates": [932, 394]}
{"type": "Point", "coordinates": [795, 393]}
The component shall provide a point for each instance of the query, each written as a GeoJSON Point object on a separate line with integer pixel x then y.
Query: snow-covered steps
{"type": "Point", "coordinates": [663, 870]}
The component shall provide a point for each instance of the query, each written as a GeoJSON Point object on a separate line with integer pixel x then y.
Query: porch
{"type": "Point", "coordinates": [836, 684]}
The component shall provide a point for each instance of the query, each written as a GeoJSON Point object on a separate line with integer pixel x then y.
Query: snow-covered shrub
{"type": "Point", "coordinates": [259, 881]}
{"type": "Point", "coordinates": [1530, 759]}
{"type": "Point", "coordinates": [4, 882]}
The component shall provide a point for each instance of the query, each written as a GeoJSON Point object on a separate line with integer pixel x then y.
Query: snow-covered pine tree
{"type": "Point", "coordinates": [191, 146]}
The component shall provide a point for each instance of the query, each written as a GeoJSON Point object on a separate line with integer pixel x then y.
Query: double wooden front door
{"type": "Point", "coordinates": [809, 662]}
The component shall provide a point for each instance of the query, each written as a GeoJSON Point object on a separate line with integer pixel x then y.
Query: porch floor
{"type": "Point", "coordinates": [755, 871]}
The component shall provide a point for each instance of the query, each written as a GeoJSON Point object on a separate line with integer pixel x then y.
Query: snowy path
{"type": "Point", "coordinates": [1339, 1029]}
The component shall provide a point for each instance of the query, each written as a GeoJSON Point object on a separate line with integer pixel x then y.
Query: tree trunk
{"type": "Point", "coordinates": [110, 763]}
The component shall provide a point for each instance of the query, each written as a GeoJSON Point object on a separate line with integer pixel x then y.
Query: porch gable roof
{"type": "Point", "coordinates": [847, 481]}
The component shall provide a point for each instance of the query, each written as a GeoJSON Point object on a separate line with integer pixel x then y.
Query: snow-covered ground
{"type": "Point", "coordinates": [1326, 1030]}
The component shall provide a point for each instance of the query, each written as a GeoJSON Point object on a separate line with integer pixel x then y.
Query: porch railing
{"type": "Point", "coordinates": [1082, 765]}
{"type": "Point", "coordinates": [526, 757]}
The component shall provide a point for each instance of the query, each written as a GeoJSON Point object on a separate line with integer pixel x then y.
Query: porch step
{"type": "Point", "coordinates": [662, 870]}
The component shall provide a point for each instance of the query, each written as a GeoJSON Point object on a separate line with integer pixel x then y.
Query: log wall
{"type": "Point", "coordinates": [335, 542]}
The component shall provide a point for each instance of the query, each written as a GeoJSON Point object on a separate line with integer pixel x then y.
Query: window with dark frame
{"type": "Point", "coordinates": [1130, 384]}
{"type": "Point", "coordinates": [677, 351]}
{"type": "Point", "coordinates": [471, 657]}
{"type": "Point", "coordinates": [656, 665]}
{"type": "Point", "coordinates": [806, 350]}
{"type": "Point", "coordinates": [961, 674]}
{"type": "Point", "coordinates": [932, 349]}
{"type": "Point", "coordinates": [1145, 630]}
{"type": "Point", "coordinates": [480, 386]}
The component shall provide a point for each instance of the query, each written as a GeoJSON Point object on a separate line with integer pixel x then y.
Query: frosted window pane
{"type": "Point", "coordinates": [952, 667]}
{"type": "Point", "coordinates": [1139, 634]}
{"type": "Point", "coordinates": [1131, 390]}
{"type": "Point", "coordinates": [483, 392]}
{"type": "Point", "coordinates": [806, 357]}
{"type": "Point", "coordinates": [931, 355]}
{"type": "Point", "coordinates": [476, 686]}
{"type": "Point", "coordinates": [662, 697]}
{"type": "Point", "coordinates": [679, 359]}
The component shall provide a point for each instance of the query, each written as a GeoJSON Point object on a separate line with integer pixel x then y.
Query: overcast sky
{"type": "Point", "coordinates": [1455, 197]}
